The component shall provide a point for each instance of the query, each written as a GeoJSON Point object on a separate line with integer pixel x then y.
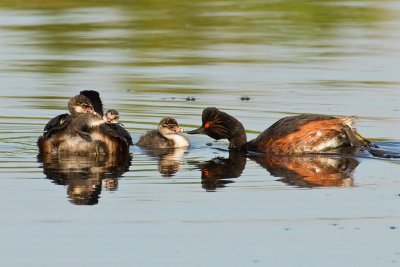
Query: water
{"type": "Point", "coordinates": [203, 206]}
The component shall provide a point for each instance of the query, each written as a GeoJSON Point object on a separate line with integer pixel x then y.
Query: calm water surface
{"type": "Point", "coordinates": [203, 206]}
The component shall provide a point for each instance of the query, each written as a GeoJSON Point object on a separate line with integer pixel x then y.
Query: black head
{"type": "Point", "coordinates": [95, 99]}
{"type": "Point", "coordinates": [80, 104]}
{"type": "Point", "coordinates": [218, 125]}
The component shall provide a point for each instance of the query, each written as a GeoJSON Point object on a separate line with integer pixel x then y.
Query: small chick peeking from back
{"type": "Point", "coordinates": [111, 116]}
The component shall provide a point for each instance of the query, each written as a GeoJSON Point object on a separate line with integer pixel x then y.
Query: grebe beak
{"type": "Point", "coordinates": [200, 130]}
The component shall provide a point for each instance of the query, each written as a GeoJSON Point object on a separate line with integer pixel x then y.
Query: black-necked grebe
{"type": "Point", "coordinates": [307, 133]}
{"type": "Point", "coordinates": [83, 131]}
{"type": "Point", "coordinates": [165, 136]}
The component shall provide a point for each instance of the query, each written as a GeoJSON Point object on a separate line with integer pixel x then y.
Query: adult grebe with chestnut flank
{"type": "Point", "coordinates": [301, 134]}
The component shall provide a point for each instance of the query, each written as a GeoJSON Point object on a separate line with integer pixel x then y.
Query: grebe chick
{"type": "Point", "coordinates": [111, 116]}
{"type": "Point", "coordinates": [302, 134]}
{"type": "Point", "coordinates": [83, 118]}
{"type": "Point", "coordinates": [165, 136]}
{"type": "Point", "coordinates": [80, 104]}
{"type": "Point", "coordinates": [77, 105]}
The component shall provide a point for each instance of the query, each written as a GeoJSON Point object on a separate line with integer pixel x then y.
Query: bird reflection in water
{"type": "Point", "coordinates": [85, 176]}
{"type": "Point", "coordinates": [218, 172]}
{"type": "Point", "coordinates": [169, 159]}
{"type": "Point", "coordinates": [310, 170]}
{"type": "Point", "coordinates": [302, 171]}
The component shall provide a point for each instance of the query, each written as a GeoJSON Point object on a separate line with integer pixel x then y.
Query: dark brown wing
{"type": "Point", "coordinates": [122, 132]}
{"type": "Point", "coordinates": [301, 134]}
{"type": "Point", "coordinates": [95, 99]}
{"type": "Point", "coordinates": [114, 131]}
{"type": "Point", "coordinates": [56, 124]}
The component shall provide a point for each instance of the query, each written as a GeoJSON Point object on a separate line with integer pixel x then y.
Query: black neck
{"type": "Point", "coordinates": [239, 139]}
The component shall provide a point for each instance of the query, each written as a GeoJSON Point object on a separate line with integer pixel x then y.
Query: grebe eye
{"type": "Point", "coordinates": [207, 125]}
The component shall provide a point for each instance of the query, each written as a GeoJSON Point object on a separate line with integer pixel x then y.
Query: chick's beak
{"type": "Point", "coordinates": [200, 130]}
{"type": "Point", "coordinates": [178, 129]}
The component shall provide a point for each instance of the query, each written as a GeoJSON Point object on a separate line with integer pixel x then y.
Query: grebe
{"type": "Point", "coordinates": [307, 133]}
{"type": "Point", "coordinates": [83, 131]}
{"type": "Point", "coordinates": [111, 116]}
{"type": "Point", "coordinates": [165, 136]}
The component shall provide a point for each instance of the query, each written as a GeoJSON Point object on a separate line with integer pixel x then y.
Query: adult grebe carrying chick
{"type": "Point", "coordinates": [302, 134]}
{"type": "Point", "coordinates": [166, 136]}
{"type": "Point", "coordinates": [83, 131]}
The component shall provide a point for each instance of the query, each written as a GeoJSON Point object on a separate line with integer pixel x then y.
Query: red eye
{"type": "Point", "coordinates": [206, 125]}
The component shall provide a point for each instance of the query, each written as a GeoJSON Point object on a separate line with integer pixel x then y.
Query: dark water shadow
{"type": "Point", "coordinates": [169, 159]}
{"type": "Point", "coordinates": [218, 172]}
{"type": "Point", "coordinates": [385, 150]}
{"type": "Point", "coordinates": [85, 176]}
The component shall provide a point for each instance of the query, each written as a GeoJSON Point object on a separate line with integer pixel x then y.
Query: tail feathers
{"type": "Point", "coordinates": [349, 120]}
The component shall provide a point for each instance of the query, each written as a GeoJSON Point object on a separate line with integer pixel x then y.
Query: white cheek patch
{"type": "Point", "coordinates": [79, 109]}
{"type": "Point", "coordinates": [179, 140]}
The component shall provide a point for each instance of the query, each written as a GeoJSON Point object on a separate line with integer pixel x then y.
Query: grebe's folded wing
{"type": "Point", "coordinates": [57, 123]}
{"type": "Point", "coordinates": [292, 124]}
{"type": "Point", "coordinates": [116, 131]}
{"type": "Point", "coordinates": [95, 99]}
{"type": "Point", "coordinates": [122, 132]}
